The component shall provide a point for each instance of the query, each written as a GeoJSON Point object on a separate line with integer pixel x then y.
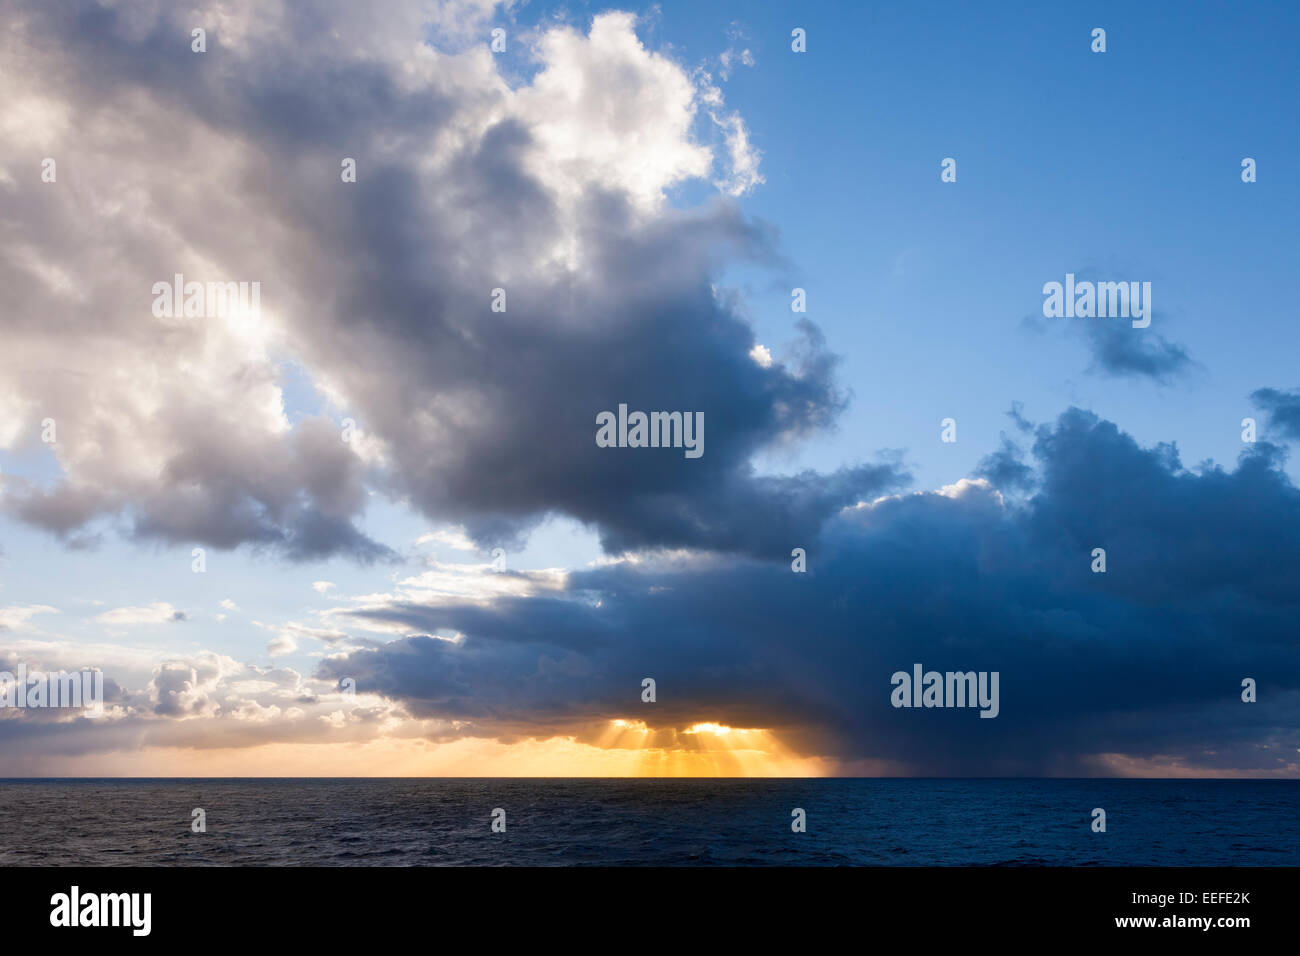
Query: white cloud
{"type": "Point", "coordinates": [289, 632]}
{"type": "Point", "coordinates": [454, 538]}
{"type": "Point", "coordinates": [157, 613]}
{"type": "Point", "coordinates": [743, 174]}
{"type": "Point", "coordinates": [730, 57]}
{"type": "Point", "coordinates": [16, 618]}
{"type": "Point", "coordinates": [604, 110]}
{"type": "Point", "coordinates": [281, 645]}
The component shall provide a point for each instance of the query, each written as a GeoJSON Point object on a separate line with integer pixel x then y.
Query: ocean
{"type": "Point", "coordinates": [649, 822]}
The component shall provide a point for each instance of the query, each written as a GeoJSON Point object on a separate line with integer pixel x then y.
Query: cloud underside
{"type": "Point", "coordinates": [1141, 664]}
{"type": "Point", "coordinates": [1146, 659]}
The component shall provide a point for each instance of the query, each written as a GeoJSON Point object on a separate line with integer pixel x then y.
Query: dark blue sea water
{"type": "Point", "coordinates": [403, 822]}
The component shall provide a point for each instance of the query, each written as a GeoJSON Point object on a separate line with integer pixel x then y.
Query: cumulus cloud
{"type": "Point", "coordinates": [185, 689]}
{"type": "Point", "coordinates": [556, 190]}
{"type": "Point", "coordinates": [203, 700]}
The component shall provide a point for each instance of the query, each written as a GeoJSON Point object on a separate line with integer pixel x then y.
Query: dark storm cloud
{"type": "Point", "coordinates": [382, 290]}
{"type": "Point", "coordinates": [1283, 410]}
{"type": "Point", "coordinates": [501, 418]}
{"type": "Point", "coordinates": [1145, 660]}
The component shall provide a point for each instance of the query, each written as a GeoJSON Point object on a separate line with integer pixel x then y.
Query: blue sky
{"type": "Point", "coordinates": [1122, 165]}
{"type": "Point", "coordinates": [1125, 164]}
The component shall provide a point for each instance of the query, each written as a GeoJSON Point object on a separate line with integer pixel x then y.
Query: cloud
{"type": "Point", "coordinates": [556, 190]}
{"type": "Point", "coordinates": [159, 612]}
{"type": "Point", "coordinates": [1005, 468]}
{"type": "Point", "coordinates": [454, 538]}
{"type": "Point", "coordinates": [16, 618]}
{"type": "Point", "coordinates": [564, 190]}
{"type": "Point", "coordinates": [744, 173]}
{"type": "Point", "coordinates": [1145, 660]}
{"type": "Point", "coordinates": [185, 688]}
{"type": "Point", "coordinates": [1137, 669]}
{"type": "Point", "coordinates": [737, 51]}
{"type": "Point", "coordinates": [603, 111]}
{"type": "Point", "coordinates": [1283, 410]}
{"type": "Point", "coordinates": [729, 57]}
{"type": "Point", "coordinates": [281, 645]}
{"type": "Point", "coordinates": [286, 641]}
{"type": "Point", "coordinates": [1120, 350]}
{"type": "Point", "coordinates": [1116, 348]}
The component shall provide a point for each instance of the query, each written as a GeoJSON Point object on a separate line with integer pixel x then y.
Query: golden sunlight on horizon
{"type": "Point", "coordinates": [705, 749]}
{"type": "Point", "coordinates": [626, 748]}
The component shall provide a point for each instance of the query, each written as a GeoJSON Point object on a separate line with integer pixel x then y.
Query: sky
{"type": "Point", "coordinates": [368, 527]}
